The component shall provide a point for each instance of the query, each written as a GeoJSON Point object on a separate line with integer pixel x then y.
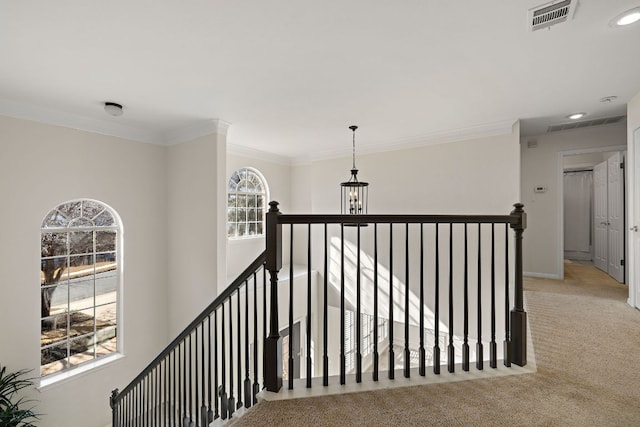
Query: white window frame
{"type": "Point", "coordinates": [246, 222]}
{"type": "Point", "coordinates": [97, 360]}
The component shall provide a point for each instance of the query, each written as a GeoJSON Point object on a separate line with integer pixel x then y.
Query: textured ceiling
{"type": "Point", "coordinates": [291, 76]}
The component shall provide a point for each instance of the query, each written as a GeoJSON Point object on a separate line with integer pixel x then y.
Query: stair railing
{"type": "Point", "coordinates": [457, 289]}
{"type": "Point", "coordinates": [212, 368]}
{"type": "Point", "coordinates": [191, 382]}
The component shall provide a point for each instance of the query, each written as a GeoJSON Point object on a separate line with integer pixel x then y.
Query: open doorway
{"type": "Point", "coordinates": [593, 206]}
{"type": "Point", "coordinates": [578, 214]}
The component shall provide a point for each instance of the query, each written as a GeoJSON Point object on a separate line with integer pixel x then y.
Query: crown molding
{"type": "Point", "coordinates": [75, 121]}
{"type": "Point", "coordinates": [109, 127]}
{"type": "Point", "coordinates": [220, 127]}
{"type": "Point", "coordinates": [197, 130]}
{"type": "Point", "coordinates": [504, 127]}
{"type": "Point", "coordinates": [241, 150]}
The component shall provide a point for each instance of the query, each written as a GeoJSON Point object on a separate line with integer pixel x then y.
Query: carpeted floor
{"type": "Point", "coordinates": [587, 350]}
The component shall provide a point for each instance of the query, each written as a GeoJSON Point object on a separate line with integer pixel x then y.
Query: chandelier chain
{"type": "Point", "coordinates": [354, 149]}
{"type": "Point", "coordinates": [353, 128]}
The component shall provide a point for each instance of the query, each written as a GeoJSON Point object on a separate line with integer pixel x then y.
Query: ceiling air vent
{"type": "Point", "coordinates": [548, 14]}
{"type": "Point", "coordinates": [586, 123]}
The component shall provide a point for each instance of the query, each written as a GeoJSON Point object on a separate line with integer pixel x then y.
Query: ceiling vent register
{"type": "Point", "coordinates": [586, 123]}
{"type": "Point", "coordinates": [548, 14]}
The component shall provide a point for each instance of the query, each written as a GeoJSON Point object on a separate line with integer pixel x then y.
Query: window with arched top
{"type": "Point", "coordinates": [247, 195]}
{"type": "Point", "coordinates": [79, 285]}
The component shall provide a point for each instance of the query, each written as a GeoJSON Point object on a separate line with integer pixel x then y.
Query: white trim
{"type": "Point", "coordinates": [265, 208]}
{"type": "Point", "coordinates": [197, 130]}
{"type": "Point", "coordinates": [217, 126]}
{"type": "Point", "coordinates": [111, 127]}
{"type": "Point", "coordinates": [560, 218]}
{"type": "Point", "coordinates": [66, 373]}
{"type": "Point", "coordinates": [239, 240]}
{"type": "Point", "coordinates": [604, 149]}
{"type": "Point", "coordinates": [504, 127]}
{"type": "Point", "coordinates": [79, 122]}
{"type": "Point", "coordinates": [632, 256]}
{"type": "Point", "coordinates": [240, 150]}
{"type": "Point", "coordinates": [541, 275]}
{"type": "Point", "coordinates": [62, 376]}
{"type": "Point", "coordinates": [300, 391]}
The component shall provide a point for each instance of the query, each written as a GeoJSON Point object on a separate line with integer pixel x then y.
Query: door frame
{"type": "Point", "coordinates": [633, 275]}
{"type": "Point", "coordinates": [560, 184]}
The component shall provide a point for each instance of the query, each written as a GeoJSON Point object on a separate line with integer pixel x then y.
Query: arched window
{"type": "Point", "coordinates": [79, 284]}
{"type": "Point", "coordinates": [246, 199]}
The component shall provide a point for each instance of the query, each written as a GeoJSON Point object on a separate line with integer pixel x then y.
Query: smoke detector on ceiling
{"type": "Point", "coordinates": [113, 109]}
{"type": "Point", "coordinates": [552, 13]}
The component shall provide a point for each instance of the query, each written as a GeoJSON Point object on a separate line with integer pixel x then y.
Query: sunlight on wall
{"type": "Point", "coordinates": [367, 285]}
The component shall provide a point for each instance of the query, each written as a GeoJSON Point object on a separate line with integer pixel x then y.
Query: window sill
{"type": "Point", "coordinates": [245, 238]}
{"type": "Point", "coordinates": [62, 377]}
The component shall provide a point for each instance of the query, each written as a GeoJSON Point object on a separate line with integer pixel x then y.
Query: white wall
{"type": "Point", "coordinates": [300, 189]}
{"type": "Point", "coordinates": [195, 212]}
{"type": "Point", "coordinates": [474, 176]}
{"type": "Point", "coordinates": [587, 160]}
{"type": "Point", "coordinates": [540, 166]}
{"type": "Point", "coordinates": [42, 166]}
{"type": "Point", "coordinates": [241, 252]}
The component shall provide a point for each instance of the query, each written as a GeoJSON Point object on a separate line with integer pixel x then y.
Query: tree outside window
{"type": "Point", "coordinates": [79, 283]}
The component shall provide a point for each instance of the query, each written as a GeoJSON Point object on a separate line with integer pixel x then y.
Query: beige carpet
{"type": "Point", "coordinates": [587, 344]}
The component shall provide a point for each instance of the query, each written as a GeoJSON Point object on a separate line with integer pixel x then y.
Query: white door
{"type": "Point", "coordinates": [600, 241]}
{"type": "Point", "coordinates": [615, 218]}
{"type": "Point", "coordinates": [635, 219]}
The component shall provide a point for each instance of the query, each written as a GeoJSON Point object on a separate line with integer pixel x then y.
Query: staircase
{"type": "Point", "coordinates": [376, 292]}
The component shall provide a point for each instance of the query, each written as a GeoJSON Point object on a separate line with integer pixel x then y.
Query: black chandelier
{"type": "Point", "coordinates": [354, 197]}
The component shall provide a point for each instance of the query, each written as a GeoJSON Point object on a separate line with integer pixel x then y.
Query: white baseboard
{"type": "Point", "coordinates": [541, 275]}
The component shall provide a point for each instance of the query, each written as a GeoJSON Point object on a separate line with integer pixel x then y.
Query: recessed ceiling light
{"type": "Point", "coordinates": [626, 18]}
{"type": "Point", "coordinates": [113, 109]}
{"type": "Point", "coordinates": [576, 116]}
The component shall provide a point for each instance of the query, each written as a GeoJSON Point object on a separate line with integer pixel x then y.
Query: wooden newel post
{"type": "Point", "coordinates": [518, 315]}
{"type": "Point", "coordinates": [114, 410]}
{"type": "Point", "coordinates": [273, 344]}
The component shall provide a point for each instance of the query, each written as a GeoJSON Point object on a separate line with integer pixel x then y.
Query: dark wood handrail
{"type": "Point", "coordinates": [396, 219]}
{"type": "Point", "coordinates": [220, 299]}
